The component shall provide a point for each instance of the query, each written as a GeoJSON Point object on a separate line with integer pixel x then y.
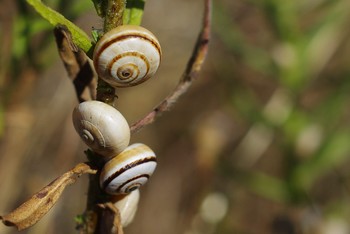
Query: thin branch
{"type": "Point", "coordinates": [193, 68]}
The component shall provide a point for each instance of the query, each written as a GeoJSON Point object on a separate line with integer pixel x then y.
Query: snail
{"type": "Point", "coordinates": [127, 206]}
{"type": "Point", "coordinates": [128, 170]}
{"type": "Point", "coordinates": [126, 56]}
{"type": "Point", "coordinates": [101, 127]}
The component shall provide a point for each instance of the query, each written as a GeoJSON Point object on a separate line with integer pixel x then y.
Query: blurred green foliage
{"type": "Point", "coordinates": [297, 50]}
{"type": "Point", "coordinates": [287, 70]}
{"type": "Point", "coordinates": [28, 24]}
{"type": "Point", "coordinates": [32, 44]}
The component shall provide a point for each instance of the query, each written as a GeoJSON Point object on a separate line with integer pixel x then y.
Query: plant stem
{"type": "Point", "coordinates": [113, 19]}
{"type": "Point", "coordinates": [94, 214]}
{"type": "Point", "coordinates": [105, 92]}
{"type": "Point", "coordinates": [114, 14]}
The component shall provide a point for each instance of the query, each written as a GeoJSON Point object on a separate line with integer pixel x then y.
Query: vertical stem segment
{"type": "Point", "coordinates": [114, 14]}
{"type": "Point", "coordinates": [94, 215]}
{"type": "Point", "coordinates": [105, 92]}
{"type": "Point", "coordinates": [113, 18]}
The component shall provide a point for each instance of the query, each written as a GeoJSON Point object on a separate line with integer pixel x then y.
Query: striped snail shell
{"type": "Point", "coordinates": [128, 170]}
{"type": "Point", "coordinates": [127, 206]}
{"type": "Point", "coordinates": [101, 127]}
{"type": "Point", "coordinates": [127, 55]}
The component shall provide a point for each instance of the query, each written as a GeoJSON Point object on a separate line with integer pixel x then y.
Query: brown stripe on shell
{"type": "Point", "coordinates": [128, 181]}
{"type": "Point", "coordinates": [127, 167]}
{"type": "Point", "coordinates": [131, 53]}
{"type": "Point", "coordinates": [125, 37]}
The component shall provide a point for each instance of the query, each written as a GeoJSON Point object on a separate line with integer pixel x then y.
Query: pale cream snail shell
{"type": "Point", "coordinates": [127, 55]}
{"type": "Point", "coordinates": [101, 127]}
{"type": "Point", "coordinates": [128, 170]}
{"type": "Point", "coordinates": [127, 206]}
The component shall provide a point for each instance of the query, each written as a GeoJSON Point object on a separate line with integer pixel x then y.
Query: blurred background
{"type": "Point", "coordinates": [259, 144]}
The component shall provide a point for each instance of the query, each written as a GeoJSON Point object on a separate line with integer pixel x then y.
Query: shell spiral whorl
{"type": "Point", "coordinates": [129, 170]}
{"type": "Point", "coordinates": [127, 55]}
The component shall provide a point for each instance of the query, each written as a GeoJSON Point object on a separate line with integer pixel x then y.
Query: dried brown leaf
{"type": "Point", "coordinates": [40, 203]}
{"type": "Point", "coordinates": [77, 65]}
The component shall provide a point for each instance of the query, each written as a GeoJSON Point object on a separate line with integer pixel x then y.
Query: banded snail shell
{"type": "Point", "coordinates": [127, 55]}
{"type": "Point", "coordinates": [127, 206]}
{"type": "Point", "coordinates": [129, 170]}
{"type": "Point", "coordinates": [103, 128]}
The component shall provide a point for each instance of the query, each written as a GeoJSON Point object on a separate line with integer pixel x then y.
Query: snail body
{"type": "Point", "coordinates": [101, 127]}
{"type": "Point", "coordinates": [127, 206]}
{"type": "Point", "coordinates": [128, 170]}
{"type": "Point", "coordinates": [127, 55]}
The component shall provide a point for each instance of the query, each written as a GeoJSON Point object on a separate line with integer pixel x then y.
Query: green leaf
{"type": "Point", "coordinates": [96, 34]}
{"type": "Point", "coordinates": [133, 12]}
{"type": "Point", "coordinates": [79, 36]}
{"type": "Point", "coordinates": [79, 219]}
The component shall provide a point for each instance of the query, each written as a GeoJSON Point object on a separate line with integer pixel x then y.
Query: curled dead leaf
{"type": "Point", "coordinates": [40, 203]}
{"type": "Point", "coordinates": [77, 64]}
